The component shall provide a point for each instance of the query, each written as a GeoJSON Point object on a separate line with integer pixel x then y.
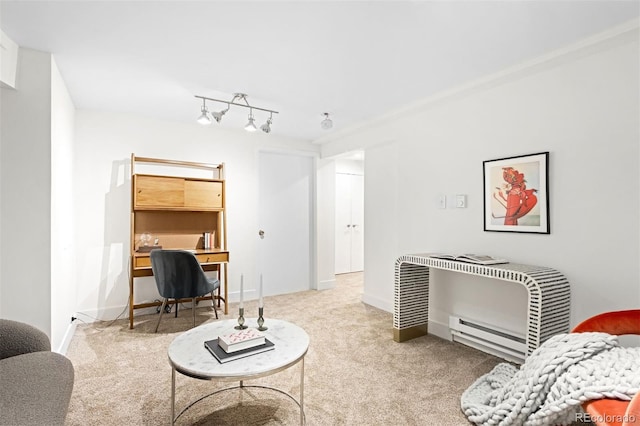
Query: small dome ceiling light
{"type": "Point", "coordinates": [327, 123]}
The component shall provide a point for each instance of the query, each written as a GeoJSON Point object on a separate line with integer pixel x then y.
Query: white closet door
{"type": "Point", "coordinates": [343, 223]}
{"type": "Point", "coordinates": [349, 223]}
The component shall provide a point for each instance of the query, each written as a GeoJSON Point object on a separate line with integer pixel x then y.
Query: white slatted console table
{"type": "Point", "coordinates": [548, 305]}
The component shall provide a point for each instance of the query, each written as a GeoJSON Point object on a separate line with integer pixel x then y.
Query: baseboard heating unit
{"type": "Point", "coordinates": [488, 338]}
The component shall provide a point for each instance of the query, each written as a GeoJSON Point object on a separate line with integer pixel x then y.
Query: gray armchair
{"type": "Point", "coordinates": [178, 275]}
{"type": "Point", "coordinates": [36, 383]}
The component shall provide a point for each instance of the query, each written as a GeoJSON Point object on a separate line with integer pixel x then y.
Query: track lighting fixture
{"type": "Point", "coordinates": [326, 124]}
{"type": "Point", "coordinates": [206, 117]}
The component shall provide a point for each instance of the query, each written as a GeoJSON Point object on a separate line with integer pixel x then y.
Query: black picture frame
{"type": "Point", "coordinates": [516, 194]}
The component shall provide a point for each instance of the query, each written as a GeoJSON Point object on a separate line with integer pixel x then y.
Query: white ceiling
{"type": "Point", "coordinates": [354, 59]}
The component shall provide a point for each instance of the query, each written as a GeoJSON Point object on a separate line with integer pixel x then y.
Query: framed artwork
{"type": "Point", "coordinates": [516, 194]}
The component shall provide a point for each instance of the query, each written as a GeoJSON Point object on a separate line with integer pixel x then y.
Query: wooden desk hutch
{"type": "Point", "coordinates": [176, 212]}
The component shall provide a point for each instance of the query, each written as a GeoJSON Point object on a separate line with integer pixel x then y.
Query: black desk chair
{"type": "Point", "coordinates": [178, 275]}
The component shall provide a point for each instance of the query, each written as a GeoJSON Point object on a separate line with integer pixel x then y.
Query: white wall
{"type": "Point", "coordinates": [63, 295]}
{"type": "Point", "coordinates": [325, 223]}
{"type": "Point", "coordinates": [25, 185]}
{"type": "Point", "coordinates": [581, 105]}
{"type": "Point", "coordinates": [36, 257]}
{"type": "Point", "coordinates": [381, 228]}
{"type": "Point", "coordinates": [103, 146]}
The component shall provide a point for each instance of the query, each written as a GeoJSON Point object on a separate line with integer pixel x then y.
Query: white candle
{"type": "Point", "coordinates": [260, 301]}
{"type": "Point", "coordinates": [241, 290]}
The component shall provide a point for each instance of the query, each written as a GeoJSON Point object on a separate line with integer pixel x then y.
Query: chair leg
{"type": "Point", "coordinates": [176, 308]}
{"type": "Point", "coordinates": [213, 303]}
{"type": "Point", "coordinates": [193, 308]}
{"type": "Point", "coordinates": [164, 303]}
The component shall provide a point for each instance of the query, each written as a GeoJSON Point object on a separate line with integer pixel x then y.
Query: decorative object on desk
{"type": "Point", "coordinates": [146, 238]}
{"type": "Point", "coordinates": [261, 326]}
{"type": "Point", "coordinates": [480, 259]}
{"type": "Point", "coordinates": [145, 247]}
{"type": "Point", "coordinates": [243, 339]}
{"type": "Point", "coordinates": [241, 325]}
{"type": "Point", "coordinates": [214, 347]}
{"type": "Point", "coordinates": [516, 194]}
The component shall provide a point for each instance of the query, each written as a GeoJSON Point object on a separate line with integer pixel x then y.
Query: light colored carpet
{"type": "Point", "coordinates": [355, 374]}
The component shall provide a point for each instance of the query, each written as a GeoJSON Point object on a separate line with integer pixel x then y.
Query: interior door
{"type": "Point", "coordinates": [285, 222]}
{"type": "Point", "coordinates": [349, 237]}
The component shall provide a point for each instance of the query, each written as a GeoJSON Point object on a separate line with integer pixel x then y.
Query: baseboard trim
{"type": "Point", "coordinates": [66, 340]}
{"type": "Point", "coordinates": [109, 314]}
{"type": "Point", "coordinates": [439, 329]}
{"type": "Point", "coordinates": [327, 284]}
{"type": "Point", "coordinates": [377, 302]}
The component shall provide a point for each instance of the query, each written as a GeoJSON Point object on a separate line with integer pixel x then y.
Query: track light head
{"type": "Point", "coordinates": [250, 126]}
{"type": "Point", "coordinates": [217, 115]}
{"type": "Point", "coordinates": [266, 127]}
{"type": "Point", "coordinates": [327, 123]}
{"type": "Point", "coordinates": [205, 118]}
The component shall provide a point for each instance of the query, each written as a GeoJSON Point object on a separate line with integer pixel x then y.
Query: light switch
{"type": "Point", "coordinates": [461, 201]}
{"type": "Point", "coordinates": [442, 201]}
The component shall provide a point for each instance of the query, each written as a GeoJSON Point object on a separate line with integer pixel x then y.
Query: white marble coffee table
{"type": "Point", "coordinates": [188, 356]}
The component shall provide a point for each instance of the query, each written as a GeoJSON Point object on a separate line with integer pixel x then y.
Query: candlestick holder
{"type": "Point", "coordinates": [261, 327]}
{"type": "Point", "coordinates": [240, 325]}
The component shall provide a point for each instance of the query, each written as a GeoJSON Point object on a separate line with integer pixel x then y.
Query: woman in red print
{"type": "Point", "coordinates": [519, 200]}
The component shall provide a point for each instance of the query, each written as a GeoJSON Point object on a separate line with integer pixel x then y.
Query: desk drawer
{"type": "Point", "coordinates": [145, 261]}
{"type": "Point", "coordinates": [141, 262]}
{"type": "Point", "coordinates": [212, 257]}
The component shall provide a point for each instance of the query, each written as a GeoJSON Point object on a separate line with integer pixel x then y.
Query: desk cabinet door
{"type": "Point", "coordinates": [158, 191]}
{"type": "Point", "coordinates": [202, 194]}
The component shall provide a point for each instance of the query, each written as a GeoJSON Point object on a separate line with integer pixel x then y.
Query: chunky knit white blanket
{"type": "Point", "coordinates": [555, 379]}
